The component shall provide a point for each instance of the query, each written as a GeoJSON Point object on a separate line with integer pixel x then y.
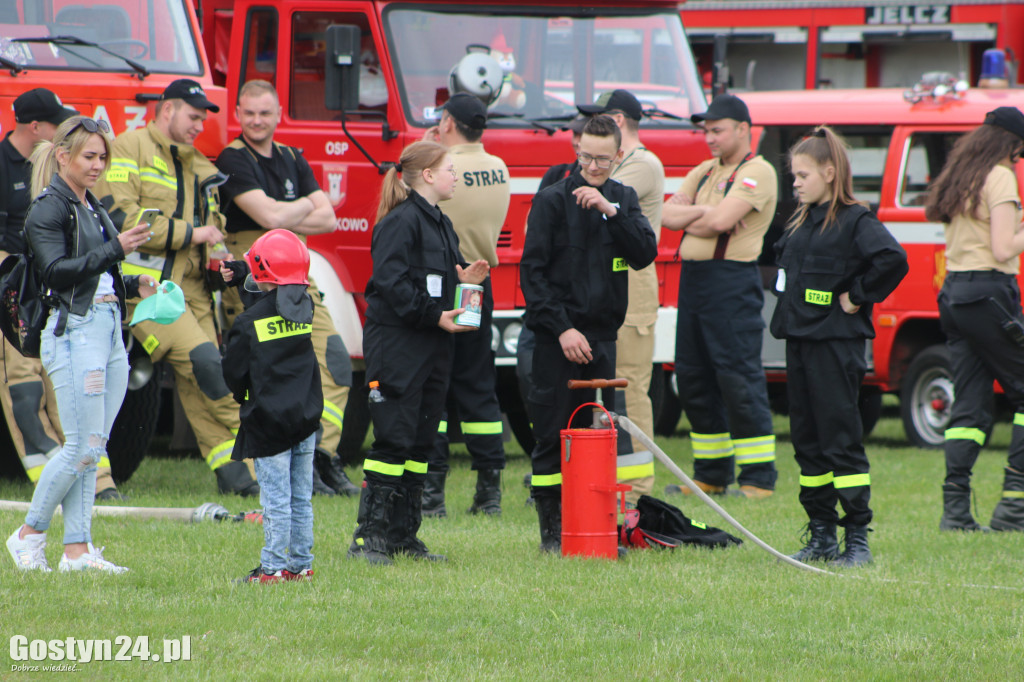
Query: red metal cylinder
{"type": "Point", "coordinates": [588, 491]}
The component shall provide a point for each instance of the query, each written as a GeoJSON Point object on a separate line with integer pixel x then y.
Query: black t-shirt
{"type": "Point", "coordinates": [282, 179]}
{"type": "Point", "coordinates": [17, 192]}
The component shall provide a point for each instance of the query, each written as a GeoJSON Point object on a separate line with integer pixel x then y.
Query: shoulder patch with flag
{"type": "Point", "coordinates": [750, 183]}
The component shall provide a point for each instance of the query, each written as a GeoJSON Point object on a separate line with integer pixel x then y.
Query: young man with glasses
{"type": "Point", "coordinates": [583, 234]}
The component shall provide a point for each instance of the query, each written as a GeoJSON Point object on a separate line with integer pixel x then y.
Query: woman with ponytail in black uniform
{"type": "Point", "coordinates": [976, 197]}
{"type": "Point", "coordinates": [836, 260]}
{"type": "Point", "coordinates": [408, 347]}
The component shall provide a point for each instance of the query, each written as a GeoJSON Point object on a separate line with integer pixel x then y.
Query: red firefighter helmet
{"type": "Point", "coordinates": [279, 257]}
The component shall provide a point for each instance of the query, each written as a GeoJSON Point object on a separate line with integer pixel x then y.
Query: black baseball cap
{"type": "Point", "coordinates": [724, 106]}
{"type": "Point", "coordinates": [191, 92]}
{"type": "Point", "coordinates": [576, 125]}
{"type": "Point", "coordinates": [40, 104]}
{"type": "Point", "coordinates": [616, 100]}
{"type": "Point", "coordinates": [467, 110]}
{"type": "Point", "coordinates": [1007, 118]}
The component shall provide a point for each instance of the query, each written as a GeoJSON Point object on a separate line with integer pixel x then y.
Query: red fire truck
{"type": "Point", "coordinates": [359, 80]}
{"type": "Point", "coordinates": [794, 44]}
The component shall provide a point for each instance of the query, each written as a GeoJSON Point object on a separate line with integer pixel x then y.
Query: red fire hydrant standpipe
{"type": "Point", "coordinates": [589, 488]}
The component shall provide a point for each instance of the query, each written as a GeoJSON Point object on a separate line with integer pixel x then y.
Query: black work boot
{"type": "Point", "coordinates": [1009, 513]}
{"type": "Point", "coordinates": [370, 539]}
{"type": "Point", "coordinates": [406, 517]}
{"type": "Point", "coordinates": [319, 487]}
{"type": "Point", "coordinates": [234, 477]}
{"type": "Point", "coordinates": [487, 499]}
{"type": "Point", "coordinates": [549, 513]}
{"type": "Point", "coordinates": [856, 552]}
{"type": "Point", "coordinates": [333, 474]}
{"type": "Point", "coordinates": [956, 509]}
{"type": "Point", "coordinates": [433, 495]}
{"type": "Point", "coordinates": [821, 545]}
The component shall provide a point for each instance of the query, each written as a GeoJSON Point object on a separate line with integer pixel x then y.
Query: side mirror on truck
{"type": "Point", "coordinates": [342, 72]}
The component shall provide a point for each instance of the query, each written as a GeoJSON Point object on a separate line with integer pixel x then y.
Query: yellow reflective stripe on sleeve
{"type": "Point", "coordinates": [384, 468]}
{"type": "Point", "coordinates": [754, 450]}
{"type": "Point", "coordinates": [545, 480]}
{"type": "Point", "coordinates": [332, 413]}
{"type": "Point", "coordinates": [851, 481]}
{"type": "Point", "coordinates": [442, 426]}
{"type": "Point", "coordinates": [481, 428]}
{"type": "Point", "coordinates": [816, 297]}
{"type": "Point", "coordinates": [150, 344]}
{"type": "Point", "coordinates": [619, 264]}
{"type": "Point", "coordinates": [415, 467]}
{"type": "Point", "coordinates": [966, 433]}
{"type": "Point", "coordinates": [271, 328]}
{"type": "Point", "coordinates": [711, 445]}
{"type": "Point", "coordinates": [1018, 419]}
{"type": "Point", "coordinates": [1013, 494]}
{"type": "Point", "coordinates": [124, 162]}
{"type": "Point", "coordinates": [815, 481]}
{"type": "Point", "coordinates": [220, 455]}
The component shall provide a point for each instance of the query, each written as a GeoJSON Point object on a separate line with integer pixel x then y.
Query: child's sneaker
{"type": "Point", "coordinates": [28, 553]}
{"type": "Point", "coordinates": [257, 575]}
{"type": "Point", "coordinates": [304, 574]}
{"type": "Point", "coordinates": [92, 560]}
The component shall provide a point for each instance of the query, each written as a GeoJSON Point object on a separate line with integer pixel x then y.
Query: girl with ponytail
{"type": "Point", "coordinates": [835, 260]}
{"type": "Point", "coordinates": [408, 346]}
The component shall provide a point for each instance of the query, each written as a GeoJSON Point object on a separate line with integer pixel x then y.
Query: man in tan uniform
{"type": "Point", "coordinates": [725, 205]}
{"type": "Point", "coordinates": [270, 186]}
{"type": "Point", "coordinates": [26, 395]}
{"type": "Point", "coordinates": [634, 349]}
{"type": "Point", "coordinates": [157, 167]}
{"type": "Point", "coordinates": [477, 212]}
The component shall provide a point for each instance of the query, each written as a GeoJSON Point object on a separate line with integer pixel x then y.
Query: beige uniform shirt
{"type": "Point", "coordinates": [756, 184]}
{"type": "Point", "coordinates": [482, 195]}
{"type": "Point", "coordinates": [969, 239]}
{"type": "Point", "coordinates": [642, 171]}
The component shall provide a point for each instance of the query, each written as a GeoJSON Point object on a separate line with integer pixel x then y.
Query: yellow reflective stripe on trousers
{"type": "Point", "coordinates": [1013, 494]}
{"type": "Point", "coordinates": [711, 445]}
{"type": "Point", "coordinates": [220, 455]}
{"type": "Point", "coordinates": [33, 465]}
{"type": "Point", "coordinates": [481, 428]}
{"type": "Point", "coordinates": [815, 481]}
{"type": "Point", "coordinates": [415, 467]}
{"type": "Point", "coordinates": [442, 426]}
{"type": "Point", "coordinates": [754, 450]}
{"type": "Point", "coordinates": [545, 480]}
{"type": "Point", "coordinates": [1018, 419]}
{"type": "Point", "coordinates": [966, 433]}
{"type": "Point", "coordinates": [851, 481]}
{"type": "Point", "coordinates": [332, 413]}
{"type": "Point", "coordinates": [634, 465]}
{"type": "Point", "coordinates": [384, 468]}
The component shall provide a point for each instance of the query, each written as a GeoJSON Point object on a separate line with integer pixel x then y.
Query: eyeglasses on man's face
{"type": "Point", "coordinates": [601, 161]}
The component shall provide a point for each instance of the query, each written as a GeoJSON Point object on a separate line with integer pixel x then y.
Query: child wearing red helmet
{"type": "Point", "coordinates": [272, 371]}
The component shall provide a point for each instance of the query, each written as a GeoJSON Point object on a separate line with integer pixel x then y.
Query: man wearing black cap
{"type": "Point", "coordinates": [634, 348]}
{"type": "Point", "coordinates": [271, 185]}
{"type": "Point", "coordinates": [725, 205]}
{"type": "Point", "coordinates": [477, 212]}
{"type": "Point", "coordinates": [157, 167]}
{"type": "Point", "coordinates": [26, 396]}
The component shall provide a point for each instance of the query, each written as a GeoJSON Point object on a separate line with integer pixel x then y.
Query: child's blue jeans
{"type": "Point", "coordinates": [286, 491]}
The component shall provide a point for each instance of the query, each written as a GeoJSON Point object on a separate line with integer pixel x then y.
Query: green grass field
{"type": "Point", "coordinates": [932, 607]}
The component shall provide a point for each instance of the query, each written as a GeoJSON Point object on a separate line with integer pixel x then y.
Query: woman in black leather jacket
{"type": "Point", "coordinates": [77, 253]}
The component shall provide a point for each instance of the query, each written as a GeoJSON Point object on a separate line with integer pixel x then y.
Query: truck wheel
{"type": "Point", "coordinates": [666, 420]}
{"type": "Point", "coordinates": [356, 423]}
{"type": "Point", "coordinates": [926, 397]}
{"type": "Point", "coordinates": [134, 427]}
{"type": "Point", "coordinates": [870, 404]}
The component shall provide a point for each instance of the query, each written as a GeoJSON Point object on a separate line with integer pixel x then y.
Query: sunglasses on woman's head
{"type": "Point", "coordinates": [93, 126]}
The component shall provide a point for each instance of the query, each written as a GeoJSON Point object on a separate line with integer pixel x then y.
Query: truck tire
{"type": "Point", "coordinates": [666, 419]}
{"type": "Point", "coordinates": [356, 424]}
{"type": "Point", "coordinates": [926, 397]}
{"type": "Point", "coordinates": [134, 427]}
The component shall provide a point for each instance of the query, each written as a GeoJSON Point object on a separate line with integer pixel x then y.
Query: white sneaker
{"type": "Point", "coordinates": [90, 561]}
{"type": "Point", "coordinates": [28, 554]}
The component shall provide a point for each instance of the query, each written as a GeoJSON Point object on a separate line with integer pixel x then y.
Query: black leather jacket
{"type": "Point", "coordinates": [70, 252]}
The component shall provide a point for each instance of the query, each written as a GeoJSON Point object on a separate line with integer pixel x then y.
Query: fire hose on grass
{"type": "Point", "coordinates": [208, 511]}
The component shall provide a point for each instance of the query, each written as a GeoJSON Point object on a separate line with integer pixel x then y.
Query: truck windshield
{"type": "Point", "coordinates": [542, 62]}
{"type": "Point", "coordinates": [155, 35]}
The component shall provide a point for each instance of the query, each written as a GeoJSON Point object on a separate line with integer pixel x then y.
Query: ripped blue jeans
{"type": "Point", "coordinates": [88, 367]}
